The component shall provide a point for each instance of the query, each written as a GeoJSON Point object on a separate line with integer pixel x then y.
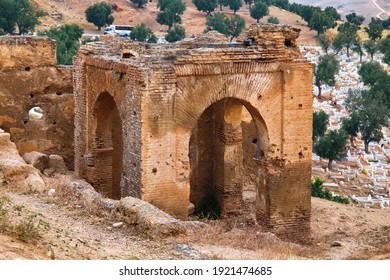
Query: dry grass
{"type": "Point", "coordinates": [19, 223]}
{"type": "Point", "coordinates": [236, 235]}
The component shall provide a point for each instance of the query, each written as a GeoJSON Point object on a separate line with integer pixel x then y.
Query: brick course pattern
{"type": "Point", "coordinates": [165, 123]}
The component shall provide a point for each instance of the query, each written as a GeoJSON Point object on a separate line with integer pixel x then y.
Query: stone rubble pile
{"type": "Point", "coordinates": [363, 177]}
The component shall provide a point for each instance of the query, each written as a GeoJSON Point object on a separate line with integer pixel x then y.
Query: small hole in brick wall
{"type": "Point", "coordinates": [54, 122]}
{"type": "Point", "coordinates": [134, 113]}
{"type": "Point", "coordinates": [287, 43]}
{"type": "Point", "coordinates": [32, 95]}
{"type": "Point", "coordinates": [126, 55]}
{"type": "Point", "coordinates": [254, 140]}
{"type": "Point", "coordinates": [28, 68]}
{"type": "Point", "coordinates": [35, 113]}
{"type": "Point", "coordinates": [59, 93]}
{"type": "Point", "coordinates": [154, 170]}
{"type": "Point", "coordinates": [300, 105]}
{"type": "Point", "coordinates": [25, 121]}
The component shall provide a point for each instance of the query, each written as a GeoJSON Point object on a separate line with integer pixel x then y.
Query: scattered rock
{"type": "Point", "coordinates": [117, 225]}
{"type": "Point", "coordinates": [14, 172]}
{"type": "Point", "coordinates": [57, 163]}
{"type": "Point", "coordinates": [191, 252]}
{"type": "Point", "coordinates": [51, 192]}
{"type": "Point", "coordinates": [39, 160]}
{"type": "Point", "coordinates": [149, 218]}
{"type": "Point", "coordinates": [336, 244]}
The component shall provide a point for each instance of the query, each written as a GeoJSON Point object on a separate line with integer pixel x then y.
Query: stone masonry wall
{"type": "Point", "coordinates": [29, 77]}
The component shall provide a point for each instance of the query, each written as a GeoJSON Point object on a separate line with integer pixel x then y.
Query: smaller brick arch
{"type": "Point", "coordinates": [107, 147]}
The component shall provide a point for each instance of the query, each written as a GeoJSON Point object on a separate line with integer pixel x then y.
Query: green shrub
{"type": "Point", "coordinates": [317, 191]}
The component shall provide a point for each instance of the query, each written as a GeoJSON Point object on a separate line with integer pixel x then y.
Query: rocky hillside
{"type": "Point", "coordinates": [72, 11]}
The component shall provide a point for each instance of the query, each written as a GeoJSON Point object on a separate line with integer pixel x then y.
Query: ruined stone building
{"type": "Point", "coordinates": [180, 124]}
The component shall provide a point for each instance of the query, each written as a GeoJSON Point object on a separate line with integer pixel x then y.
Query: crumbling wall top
{"type": "Point", "coordinates": [263, 42]}
{"type": "Point", "coordinates": [26, 52]}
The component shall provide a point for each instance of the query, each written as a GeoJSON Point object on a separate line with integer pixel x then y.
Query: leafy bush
{"type": "Point", "coordinates": [67, 38]}
{"type": "Point", "coordinates": [317, 191]}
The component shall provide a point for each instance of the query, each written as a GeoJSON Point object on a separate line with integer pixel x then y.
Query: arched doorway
{"type": "Point", "coordinates": [107, 147]}
{"type": "Point", "coordinates": [226, 147]}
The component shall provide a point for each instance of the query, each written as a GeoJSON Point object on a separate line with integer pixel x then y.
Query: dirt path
{"type": "Point", "coordinates": [382, 11]}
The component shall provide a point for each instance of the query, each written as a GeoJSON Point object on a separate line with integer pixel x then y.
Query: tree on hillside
{"type": "Point", "coordinates": [347, 35]}
{"type": "Point", "coordinates": [332, 12]}
{"type": "Point", "coordinates": [371, 48]}
{"type": "Point", "coordinates": [332, 146]}
{"type": "Point", "coordinates": [67, 39]}
{"type": "Point", "coordinates": [235, 26]}
{"type": "Point", "coordinates": [259, 10]}
{"type": "Point", "coordinates": [355, 19]}
{"type": "Point", "coordinates": [307, 12]}
{"type": "Point", "coordinates": [142, 33]}
{"type": "Point", "coordinates": [273, 20]}
{"type": "Point", "coordinates": [229, 27]}
{"type": "Point", "coordinates": [372, 114]}
{"type": "Point", "coordinates": [177, 33]}
{"type": "Point", "coordinates": [325, 72]}
{"type": "Point", "coordinates": [324, 42]}
{"type": "Point", "coordinates": [372, 73]}
{"type": "Point", "coordinates": [217, 22]}
{"type": "Point", "coordinates": [384, 48]}
{"type": "Point", "coordinates": [386, 23]}
{"type": "Point", "coordinates": [320, 123]}
{"type": "Point", "coordinates": [249, 2]}
{"type": "Point", "coordinates": [321, 21]}
{"type": "Point", "coordinates": [376, 77]}
{"type": "Point", "coordinates": [374, 29]}
{"type": "Point", "coordinates": [207, 6]}
{"type": "Point", "coordinates": [170, 12]}
{"type": "Point", "coordinates": [283, 4]}
{"type": "Point", "coordinates": [99, 14]}
{"type": "Point", "coordinates": [20, 14]}
{"type": "Point", "coordinates": [222, 3]}
{"type": "Point", "coordinates": [234, 5]}
{"type": "Point", "coordinates": [140, 3]}
{"type": "Point", "coordinates": [351, 126]}
{"type": "Point", "coordinates": [358, 48]}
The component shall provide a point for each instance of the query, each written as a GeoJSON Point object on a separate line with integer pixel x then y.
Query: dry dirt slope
{"type": "Point", "coordinates": [66, 229]}
{"type": "Point", "coordinates": [72, 11]}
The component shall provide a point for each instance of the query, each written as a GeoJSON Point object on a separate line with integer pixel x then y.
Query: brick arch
{"type": "Point", "coordinates": [216, 151]}
{"type": "Point", "coordinates": [106, 144]}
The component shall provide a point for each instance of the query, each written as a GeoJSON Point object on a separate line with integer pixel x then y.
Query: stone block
{"type": "Point", "coordinates": [57, 163]}
{"type": "Point", "coordinates": [39, 160]}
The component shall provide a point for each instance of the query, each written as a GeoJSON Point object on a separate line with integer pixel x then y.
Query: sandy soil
{"type": "Point", "coordinates": [68, 230]}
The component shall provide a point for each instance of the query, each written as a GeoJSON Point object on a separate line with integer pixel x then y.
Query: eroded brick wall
{"type": "Point", "coordinates": [184, 133]}
{"type": "Point", "coordinates": [29, 77]}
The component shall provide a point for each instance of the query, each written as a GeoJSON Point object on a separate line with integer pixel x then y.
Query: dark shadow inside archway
{"type": "Point", "coordinates": [107, 147]}
{"type": "Point", "coordinates": [229, 139]}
